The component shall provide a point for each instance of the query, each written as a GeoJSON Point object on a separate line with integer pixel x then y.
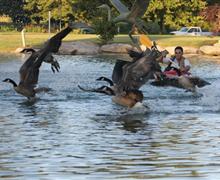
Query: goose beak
{"type": "Point", "coordinates": [99, 79]}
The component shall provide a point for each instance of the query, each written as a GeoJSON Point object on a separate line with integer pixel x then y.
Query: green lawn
{"type": "Point", "coordinates": [12, 40]}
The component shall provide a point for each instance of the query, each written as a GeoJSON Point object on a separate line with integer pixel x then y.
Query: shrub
{"type": "Point", "coordinates": [106, 30]}
{"type": "Point", "coordinates": [5, 27]}
{"type": "Point", "coordinates": [153, 27]}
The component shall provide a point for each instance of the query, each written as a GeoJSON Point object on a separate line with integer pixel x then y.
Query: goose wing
{"type": "Point", "coordinates": [167, 81]}
{"type": "Point", "coordinates": [54, 43]}
{"type": "Point", "coordinates": [119, 6]}
{"type": "Point", "coordinates": [198, 81]}
{"type": "Point", "coordinates": [136, 74]}
{"type": "Point", "coordinates": [139, 8]}
{"type": "Point", "coordinates": [118, 68]}
{"type": "Point", "coordinates": [118, 71]}
{"type": "Point", "coordinates": [29, 71]}
{"type": "Point", "coordinates": [139, 72]}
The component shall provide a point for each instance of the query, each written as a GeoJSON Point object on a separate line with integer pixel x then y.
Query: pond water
{"type": "Point", "coordinates": [70, 134]}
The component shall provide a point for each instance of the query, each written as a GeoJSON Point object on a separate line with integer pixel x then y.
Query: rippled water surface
{"type": "Point", "coordinates": [70, 134]}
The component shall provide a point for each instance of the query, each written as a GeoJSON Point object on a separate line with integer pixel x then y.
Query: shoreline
{"type": "Point", "coordinates": [91, 48]}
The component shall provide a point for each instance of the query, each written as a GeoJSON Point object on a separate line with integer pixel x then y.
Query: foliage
{"type": "Point", "coordinates": [212, 14]}
{"type": "Point", "coordinates": [5, 19]}
{"type": "Point", "coordinates": [85, 10]}
{"type": "Point", "coordinates": [38, 11]}
{"type": "Point", "coordinates": [153, 27]}
{"type": "Point", "coordinates": [15, 10]}
{"type": "Point", "coordinates": [5, 27]}
{"type": "Point", "coordinates": [105, 29]}
{"type": "Point", "coordinates": [168, 14]}
{"type": "Point", "coordinates": [176, 13]}
{"type": "Point", "coordinates": [213, 2]}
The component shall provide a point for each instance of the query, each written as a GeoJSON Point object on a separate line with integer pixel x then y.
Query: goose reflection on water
{"type": "Point", "coordinates": [133, 123]}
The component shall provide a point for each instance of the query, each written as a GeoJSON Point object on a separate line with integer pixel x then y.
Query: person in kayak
{"type": "Point", "coordinates": [178, 65]}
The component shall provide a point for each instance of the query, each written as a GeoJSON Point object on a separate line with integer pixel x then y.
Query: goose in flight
{"type": "Point", "coordinates": [55, 66]}
{"type": "Point", "coordinates": [29, 71]}
{"type": "Point", "coordinates": [132, 16]}
{"type": "Point", "coordinates": [190, 83]}
{"type": "Point", "coordinates": [128, 77]}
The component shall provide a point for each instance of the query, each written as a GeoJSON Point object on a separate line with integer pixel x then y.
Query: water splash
{"type": "Point", "coordinates": [211, 96]}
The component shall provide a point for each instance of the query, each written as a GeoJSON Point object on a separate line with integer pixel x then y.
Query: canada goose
{"type": "Point", "coordinates": [102, 78]}
{"type": "Point", "coordinates": [55, 66]}
{"type": "Point", "coordinates": [29, 71]}
{"type": "Point", "coordinates": [184, 82]}
{"type": "Point", "coordinates": [128, 77]}
{"type": "Point", "coordinates": [27, 50]}
{"type": "Point", "coordinates": [103, 89]}
{"type": "Point", "coordinates": [138, 72]}
{"type": "Point", "coordinates": [132, 16]}
{"type": "Point", "coordinates": [129, 99]}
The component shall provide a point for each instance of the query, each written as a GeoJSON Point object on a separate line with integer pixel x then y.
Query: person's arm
{"type": "Point", "coordinates": [187, 66]}
{"type": "Point", "coordinates": [164, 60]}
{"type": "Point", "coordinates": [162, 57]}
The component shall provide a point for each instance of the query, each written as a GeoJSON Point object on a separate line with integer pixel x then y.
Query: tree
{"type": "Point", "coordinates": [38, 10]}
{"type": "Point", "coordinates": [15, 10]}
{"type": "Point", "coordinates": [84, 10]}
{"type": "Point", "coordinates": [212, 15]}
{"type": "Point", "coordinates": [213, 2]}
{"type": "Point", "coordinates": [176, 13]}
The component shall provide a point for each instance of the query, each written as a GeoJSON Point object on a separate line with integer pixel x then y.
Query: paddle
{"type": "Point", "coordinates": [144, 40]}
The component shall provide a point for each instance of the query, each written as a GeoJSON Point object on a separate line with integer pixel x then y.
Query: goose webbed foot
{"type": "Point", "coordinates": [55, 66]}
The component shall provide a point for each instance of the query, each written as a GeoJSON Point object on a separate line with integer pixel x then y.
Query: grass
{"type": "Point", "coordinates": [12, 40]}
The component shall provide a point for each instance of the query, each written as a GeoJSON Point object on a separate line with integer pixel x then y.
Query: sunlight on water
{"type": "Point", "coordinates": [70, 134]}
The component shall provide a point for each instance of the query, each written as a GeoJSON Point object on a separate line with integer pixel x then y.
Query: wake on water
{"type": "Point", "coordinates": [173, 100]}
{"type": "Point", "coordinates": [211, 96]}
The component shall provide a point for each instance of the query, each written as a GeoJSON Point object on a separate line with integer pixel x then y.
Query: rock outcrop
{"type": "Point", "coordinates": [210, 50]}
{"type": "Point", "coordinates": [116, 48]}
{"type": "Point", "coordinates": [79, 47]}
{"type": "Point", "coordinates": [91, 48]}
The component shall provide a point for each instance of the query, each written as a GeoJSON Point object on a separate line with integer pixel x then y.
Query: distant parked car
{"type": "Point", "coordinates": [191, 31]}
{"type": "Point", "coordinates": [87, 30]}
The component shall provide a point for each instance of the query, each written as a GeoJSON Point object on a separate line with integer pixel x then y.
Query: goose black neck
{"type": "Point", "coordinates": [108, 80]}
{"type": "Point", "coordinates": [13, 83]}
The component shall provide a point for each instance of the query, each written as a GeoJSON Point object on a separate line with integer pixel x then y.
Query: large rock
{"type": "Point", "coordinates": [116, 48]}
{"type": "Point", "coordinates": [190, 50]}
{"type": "Point", "coordinates": [79, 47]}
{"type": "Point", "coordinates": [210, 50]}
{"type": "Point", "coordinates": [217, 44]}
{"type": "Point", "coordinates": [19, 50]}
